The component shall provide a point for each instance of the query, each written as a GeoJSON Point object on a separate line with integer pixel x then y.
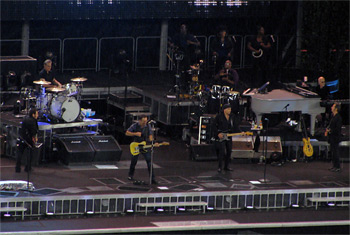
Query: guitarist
{"type": "Point", "coordinates": [27, 139]}
{"type": "Point", "coordinates": [333, 132]}
{"type": "Point", "coordinates": [224, 122]}
{"type": "Point", "coordinates": [141, 131]}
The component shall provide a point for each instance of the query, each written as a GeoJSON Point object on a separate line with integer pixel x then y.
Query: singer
{"type": "Point", "coordinates": [228, 76]}
{"type": "Point", "coordinates": [141, 131]}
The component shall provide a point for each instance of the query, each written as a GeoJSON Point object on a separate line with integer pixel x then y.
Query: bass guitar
{"type": "Point", "coordinates": [227, 135]}
{"type": "Point", "coordinates": [137, 147]}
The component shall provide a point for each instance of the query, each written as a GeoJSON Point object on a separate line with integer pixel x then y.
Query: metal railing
{"type": "Point", "coordinates": [78, 55]}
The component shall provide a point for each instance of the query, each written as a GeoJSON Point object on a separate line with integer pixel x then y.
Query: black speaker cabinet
{"type": "Point", "coordinates": [106, 148]}
{"type": "Point", "coordinates": [74, 149]}
{"type": "Point", "coordinates": [203, 152]}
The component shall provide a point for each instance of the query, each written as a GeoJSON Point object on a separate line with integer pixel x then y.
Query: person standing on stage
{"type": "Point", "coordinates": [141, 131]}
{"type": "Point", "coordinates": [48, 74]}
{"type": "Point", "coordinates": [334, 136]}
{"type": "Point", "coordinates": [224, 122]}
{"type": "Point", "coordinates": [228, 76]}
{"type": "Point", "coordinates": [27, 139]}
{"type": "Point", "coordinates": [259, 45]}
{"type": "Point", "coordinates": [186, 43]}
{"type": "Point", "coordinates": [222, 49]}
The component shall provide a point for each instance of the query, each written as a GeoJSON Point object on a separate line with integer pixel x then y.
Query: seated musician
{"type": "Point", "coordinates": [48, 74]}
{"type": "Point", "coordinates": [228, 76]}
{"type": "Point", "coordinates": [323, 91]}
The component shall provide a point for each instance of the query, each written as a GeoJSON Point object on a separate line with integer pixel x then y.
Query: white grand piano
{"type": "Point", "coordinates": [277, 101]}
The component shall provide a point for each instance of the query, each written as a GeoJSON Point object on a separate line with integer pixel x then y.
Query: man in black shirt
{"type": "Point", "coordinates": [334, 136]}
{"type": "Point", "coordinates": [141, 131]}
{"type": "Point", "coordinates": [224, 122]}
{"type": "Point", "coordinates": [27, 138]}
{"type": "Point", "coordinates": [47, 74]}
{"type": "Point", "coordinates": [322, 90]}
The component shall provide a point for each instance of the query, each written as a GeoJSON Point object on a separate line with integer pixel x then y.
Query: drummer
{"type": "Point", "coordinates": [48, 74]}
{"type": "Point", "coordinates": [228, 76]}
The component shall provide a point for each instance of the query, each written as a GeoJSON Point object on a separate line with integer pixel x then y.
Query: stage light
{"type": "Point", "coordinates": [49, 213]}
{"type": "Point", "coordinates": [130, 211]}
{"type": "Point", "coordinates": [330, 204]}
{"type": "Point", "coordinates": [181, 209]}
{"type": "Point", "coordinates": [210, 208]}
{"type": "Point", "coordinates": [89, 212]}
{"type": "Point", "coordinates": [160, 210]}
{"type": "Point", "coordinates": [295, 205]}
{"type": "Point", "coordinates": [250, 207]}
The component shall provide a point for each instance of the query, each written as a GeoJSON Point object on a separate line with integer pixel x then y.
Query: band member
{"type": "Point", "coordinates": [334, 134]}
{"type": "Point", "coordinates": [224, 122]}
{"type": "Point", "coordinates": [322, 90]}
{"type": "Point", "coordinates": [27, 138]}
{"type": "Point", "coordinates": [259, 45]}
{"type": "Point", "coordinates": [228, 76]}
{"type": "Point", "coordinates": [48, 74]}
{"type": "Point", "coordinates": [141, 131]}
{"type": "Point", "coordinates": [222, 48]}
{"type": "Point", "coordinates": [185, 43]}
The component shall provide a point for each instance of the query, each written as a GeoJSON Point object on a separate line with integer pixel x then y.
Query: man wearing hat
{"type": "Point", "coordinates": [224, 122]}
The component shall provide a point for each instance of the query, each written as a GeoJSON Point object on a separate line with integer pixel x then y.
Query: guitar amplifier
{"type": "Point", "coordinates": [75, 149]}
{"type": "Point", "coordinates": [242, 147]}
{"type": "Point", "coordinates": [106, 148]}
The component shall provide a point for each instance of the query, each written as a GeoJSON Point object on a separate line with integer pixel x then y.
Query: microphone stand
{"type": "Point", "coordinates": [264, 180]}
{"type": "Point", "coordinates": [152, 146]}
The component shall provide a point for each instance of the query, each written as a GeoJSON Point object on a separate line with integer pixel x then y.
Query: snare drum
{"type": "Point", "coordinates": [216, 88]}
{"type": "Point", "coordinates": [71, 89]}
{"type": "Point", "coordinates": [65, 108]}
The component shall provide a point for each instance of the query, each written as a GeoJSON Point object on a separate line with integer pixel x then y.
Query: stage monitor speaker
{"type": "Point", "coordinates": [106, 148]}
{"type": "Point", "coordinates": [273, 145]}
{"type": "Point", "coordinates": [203, 152]}
{"type": "Point", "coordinates": [75, 149]}
{"type": "Point", "coordinates": [242, 147]}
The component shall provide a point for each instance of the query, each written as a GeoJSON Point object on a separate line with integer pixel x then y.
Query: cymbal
{"type": "Point", "coordinates": [41, 82]}
{"type": "Point", "coordinates": [79, 79]}
{"type": "Point", "coordinates": [55, 89]}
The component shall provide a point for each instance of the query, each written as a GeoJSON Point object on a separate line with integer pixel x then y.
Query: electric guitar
{"type": "Point", "coordinates": [226, 135]}
{"type": "Point", "coordinates": [308, 150]}
{"type": "Point", "coordinates": [137, 147]}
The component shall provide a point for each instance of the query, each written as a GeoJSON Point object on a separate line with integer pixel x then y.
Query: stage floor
{"type": "Point", "coordinates": [175, 170]}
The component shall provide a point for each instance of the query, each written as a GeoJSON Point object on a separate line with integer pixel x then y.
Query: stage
{"type": "Point", "coordinates": [235, 199]}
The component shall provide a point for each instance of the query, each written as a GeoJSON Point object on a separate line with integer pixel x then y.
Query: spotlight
{"type": "Point", "coordinates": [295, 206]}
{"type": "Point", "coordinates": [89, 212]}
{"type": "Point", "coordinates": [49, 213]}
{"type": "Point", "coordinates": [160, 210]}
{"type": "Point", "coordinates": [181, 209]}
{"type": "Point", "coordinates": [130, 211]}
{"type": "Point", "coordinates": [330, 204]}
{"type": "Point", "coordinates": [210, 208]}
{"type": "Point", "coordinates": [250, 207]}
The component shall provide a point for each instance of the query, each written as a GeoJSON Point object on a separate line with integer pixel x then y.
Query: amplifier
{"type": "Point", "coordinates": [106, 148]}
{"type": "Point", "coordinates": [75, 149]}
{"type": "Point", "coordinates": [242, 147]}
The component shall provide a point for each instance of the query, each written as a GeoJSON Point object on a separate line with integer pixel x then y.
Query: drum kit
{"type": "Point", "coordinates": [220, 95]}
{"type": "Point", "coordinates": [61, 103]}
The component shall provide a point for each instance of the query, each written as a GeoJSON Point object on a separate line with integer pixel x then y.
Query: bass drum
{"type": "Point", "coordinates": [65, 108]}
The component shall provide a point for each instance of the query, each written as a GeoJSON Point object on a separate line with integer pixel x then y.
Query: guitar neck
{"type": "Point", "coordinates": [149, 145]}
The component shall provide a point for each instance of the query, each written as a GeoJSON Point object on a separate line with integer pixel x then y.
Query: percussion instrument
{"type": "Point", "coordinates": [41, 82]}
{"type": "Point", "coordinates": [55, 89]}
{"type": "Point", "coordinates": [65, 108]}
{"type": "Point", "coordinates": [71, 89]}
{"type": "Point", "coordinates": [79, 79]}
{"type": "Point", "coordinates": [216, 89]}
{"type": "Point", "coordinates": [257, 54]}
{"type": "Point", "coordinates": [225, 89]}
{"type": "Point", "coordinates": [43, 102]}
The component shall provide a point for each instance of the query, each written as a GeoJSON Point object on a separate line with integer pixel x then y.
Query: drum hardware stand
{"type": "Point", "coordinates": [177, 87]}
{"type": "Point", "coordinates": [265, 141]}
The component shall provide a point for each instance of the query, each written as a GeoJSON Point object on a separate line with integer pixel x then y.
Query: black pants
{"type": "Point", "coordinates": [20, 152]}
{"type": "Point", "coordinates": [224, 150]}
{"type": "Point", "coordinates": [134, 160]}
{"type": "Point", "coordinates": [335, 154]}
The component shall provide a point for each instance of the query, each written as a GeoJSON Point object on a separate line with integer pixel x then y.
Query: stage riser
{"type": "Point", "coordinates": [109, 204]}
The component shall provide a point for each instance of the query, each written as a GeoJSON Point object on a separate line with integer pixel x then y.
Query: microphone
{"type": "Point", "coordinates": [285, 107]}
{"type": "Point", "coordinates": [263, 87]}
{"type": "Point", "coordinates": [234, 38]}
{"type": "Point", "coordinates": [273, 40]}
